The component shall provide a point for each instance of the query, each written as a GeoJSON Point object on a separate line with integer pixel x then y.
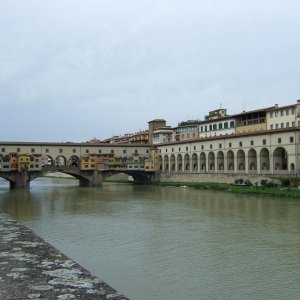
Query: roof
{"type": "Point", "coordinates": [157, 120]}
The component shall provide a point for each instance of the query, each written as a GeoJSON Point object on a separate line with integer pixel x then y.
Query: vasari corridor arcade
{"type": "Point", "coordinates": [263, 143]}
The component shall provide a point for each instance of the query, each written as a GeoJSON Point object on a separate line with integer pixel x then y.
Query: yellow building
{"type": "Point", "coordinates": [24, 162]}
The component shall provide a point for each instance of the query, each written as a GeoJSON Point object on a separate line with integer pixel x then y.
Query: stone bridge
{"type": "Point", "coordinates": [22, 179]}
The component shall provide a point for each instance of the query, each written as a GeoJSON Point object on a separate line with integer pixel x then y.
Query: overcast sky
{"type": "Point", "coordinates": [72, 70]}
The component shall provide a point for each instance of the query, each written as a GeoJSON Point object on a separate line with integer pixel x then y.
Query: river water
{"type": "Point", "coordinates": [153, 242]}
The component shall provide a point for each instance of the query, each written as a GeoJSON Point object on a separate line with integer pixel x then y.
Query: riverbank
{"type": "Point", "coordinates": [235, 188]}
{"type": "Point", "coordinates": [33, 269]}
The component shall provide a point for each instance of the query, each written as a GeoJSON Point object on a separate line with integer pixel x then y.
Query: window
{"type": "Point", "coordinates": [124, 151]}
{"type": "Point", "coordinates": [226, 125]}
{"type": "Point", "coordinates": [202, 147]}
{"type": "Point", "coordinates": [293, 124]}
{"type": "Point", "coordinates": [276, 126]}
{"type": "Point", "coordinates": [166, 150]}
{"type": "Point", "coordinates": [179, 149]}
{"type": "Point", "coordinates": [194, 147]}
{"type": "Point", "coordinates": [210, 127]}
{"type": "Point", "coordinates": [201, 128]}
{"type": "Point", "coordinates": [279, 140]}
{"type": "Point", "coordinates": [220, 125]}
{"type": "Point", "coordinates": [287, 112]}
{"type": "Point", "coordinates": [147, 151]}
{"type": "Point", "coordinates": [172, 149]}
{"type": "Point", "coordinates": [241, 144]}
{"type": "Point", "coordinates": [87, 151]}
{"type": "Point", "coordinates": [291, 139]}
{"type": "Point", "coordinates": [186, 148]}
{"type": "Point", "coordinates": [205, 127]}
{"type": "Point", "coordinates": [32, 150]}
{"type": "Point", "coordinates": [215, 126]}
{"type": "Point", "coordinates": [287, 125]}
{"type": "Point", "coordinates": [276, 113]}
{"type": "Point", "coordinates": [18, 150]}
{"type": "Point", "coordinates": [298, 123]}
{"type": "Point", "coordinates": [231, 124]}
{"type": "Point", "coordinates": [293, 111]}
{"type": "Point", "coordinates": [251, 143]}
{"type": "Point", "coordinates": [229, 144]}
{"type": "Point", "coordinates": [281, 113]}
{"type": "Point", "coordinates": [271, 114]}
{"type": "Point", "coordinates": [220, 146]}
{"type": "Point", "coordinates": [210, 146]}
{"type": "Point", "coordinates": [60, 150]}
{"type": "Point", "coordinates": [136, 151]}
{"type": "Point", "coordinates": [271, 126]}
{"type": "Point", "coordinates": [99, 151]}
{"type": "Point", "coordinates": [2, 149]}
{"type": "Point", "coordinates": [74, 150]}
{"type": "Point", "coordinates": [264, 142]}
{"type": "Point", "coordinates": [282, 125]}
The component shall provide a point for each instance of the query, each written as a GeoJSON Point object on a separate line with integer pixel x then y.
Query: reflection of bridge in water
{"type": "Point", "coordinates": [22, 179]}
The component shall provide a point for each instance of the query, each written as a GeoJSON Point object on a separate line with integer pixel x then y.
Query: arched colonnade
{"type": "Point", "coordinates": [241, 161]}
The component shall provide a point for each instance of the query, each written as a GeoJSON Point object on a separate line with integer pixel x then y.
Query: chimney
{"type": "Point", "coordinates": [276, 105]}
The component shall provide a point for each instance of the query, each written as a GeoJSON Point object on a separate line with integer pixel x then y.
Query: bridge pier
{"type": "Point", "coordinates": [94, 179]}
{"type": "Point", "coordinates": [20, 180]}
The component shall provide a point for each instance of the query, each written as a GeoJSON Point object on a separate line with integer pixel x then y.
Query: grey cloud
{"type": "Point", "coordinates": [107, 67]}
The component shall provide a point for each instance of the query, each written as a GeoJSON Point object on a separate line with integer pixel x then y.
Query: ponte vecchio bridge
{"type": "Point", "coordinates": [91, 163]}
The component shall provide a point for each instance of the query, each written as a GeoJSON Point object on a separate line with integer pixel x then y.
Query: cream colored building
{"type": "Point", "coordinates": [162, 135]}
{"type": "Point", "coordinates": [263, 152]}
{"type": "Point", "coordinates": [283, 117]}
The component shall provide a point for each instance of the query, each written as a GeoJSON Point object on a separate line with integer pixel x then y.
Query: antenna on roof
{"type": "Point", "coordinates": [243, 106]}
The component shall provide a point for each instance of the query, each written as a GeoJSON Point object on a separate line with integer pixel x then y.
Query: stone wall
{"type": "Point", "coordinates": [204, 178]}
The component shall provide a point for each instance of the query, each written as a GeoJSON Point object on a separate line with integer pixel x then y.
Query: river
{"type": "Point", "coordinates": [151, 242]}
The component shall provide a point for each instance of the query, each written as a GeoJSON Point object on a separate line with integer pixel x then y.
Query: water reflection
{"type": "Point", "coordinates": [169, 243]}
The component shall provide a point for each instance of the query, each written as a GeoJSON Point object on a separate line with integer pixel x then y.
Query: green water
{"type": "Point", "coordinates": [152, 242]}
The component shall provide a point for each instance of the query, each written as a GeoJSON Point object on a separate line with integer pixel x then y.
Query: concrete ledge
{"type": "Point", "coordinates": [30, 268]}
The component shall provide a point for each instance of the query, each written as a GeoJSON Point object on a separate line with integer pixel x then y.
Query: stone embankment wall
{"type": "Point", "coordinates": [205, 178]}
{"type": "Point", "coordinates": [30, 268]}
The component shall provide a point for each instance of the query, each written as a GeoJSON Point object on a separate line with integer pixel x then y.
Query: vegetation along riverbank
{"type": "Point", "coordinates": [243, 187]}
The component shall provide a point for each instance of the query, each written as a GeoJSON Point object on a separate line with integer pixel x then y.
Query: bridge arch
{"type": "Point", "coordinates": [74, 161]}
{"type": "Point", "coordinates": [60, 161]}
{"type": "Point", "coordinates": [47, 161]}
